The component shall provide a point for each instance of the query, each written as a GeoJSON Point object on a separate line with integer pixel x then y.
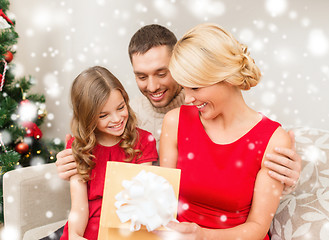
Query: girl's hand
{"type": "Point", "coordinates": [182, 231]}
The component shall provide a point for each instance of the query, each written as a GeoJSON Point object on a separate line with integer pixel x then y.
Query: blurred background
{"type": "Point", "coordinates": [289, 41]}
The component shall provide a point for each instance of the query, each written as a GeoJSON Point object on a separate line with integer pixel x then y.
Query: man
{"type": "Point", "coordinates": [150, 51]}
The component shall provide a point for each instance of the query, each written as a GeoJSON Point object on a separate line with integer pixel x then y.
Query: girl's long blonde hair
{"type": "Point", "coordinates": [90, 91]}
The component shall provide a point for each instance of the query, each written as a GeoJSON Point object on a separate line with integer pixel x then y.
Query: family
{"type": "Point", "coordinates": [235, 162]}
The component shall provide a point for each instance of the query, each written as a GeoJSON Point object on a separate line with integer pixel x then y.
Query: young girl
{"type": "Point", "coordinates": [104, 129]}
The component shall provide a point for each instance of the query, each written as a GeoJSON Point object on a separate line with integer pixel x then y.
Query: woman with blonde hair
{"type": "Point", "coordinates": [219, 142]}
{"type": "Point", "coordinates": [104, 129]}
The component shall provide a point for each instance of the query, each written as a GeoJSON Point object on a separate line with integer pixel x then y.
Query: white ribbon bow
{"type": "Point", "coordinates": [148, 199]}
{"type": "Point", "coordinates": [3, 23]}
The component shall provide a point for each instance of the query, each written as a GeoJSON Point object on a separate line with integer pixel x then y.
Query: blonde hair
{"type": "Point", "coordinates": [208, 54]}
{"type": "Point", "coordinates": [90, 91]}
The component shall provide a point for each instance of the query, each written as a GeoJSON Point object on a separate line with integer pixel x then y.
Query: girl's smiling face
{"type": "Point", "coordinates": [112, 119]}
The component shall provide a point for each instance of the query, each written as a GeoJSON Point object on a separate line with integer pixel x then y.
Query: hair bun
{"type": "Point", "coordinates": [250, 73]}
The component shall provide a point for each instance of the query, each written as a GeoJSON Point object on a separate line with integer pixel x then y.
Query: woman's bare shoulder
{"type": "Point", "coordinates": [280, 138]}
{"type": "Point", "coordinates": [171, 118]}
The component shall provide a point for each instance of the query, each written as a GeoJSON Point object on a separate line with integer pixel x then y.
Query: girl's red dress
{"type": "Point", "coordinates": [95, 186]}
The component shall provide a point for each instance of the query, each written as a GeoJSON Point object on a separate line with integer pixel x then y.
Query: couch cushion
{"type": "Point", "coordinates": [33, 197]}
{"type": "Point", "coordinates": [44, 231]}
{"type": "Point", "coordinates": [304, 214]}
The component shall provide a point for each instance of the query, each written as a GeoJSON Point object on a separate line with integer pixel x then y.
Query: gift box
{"type": "Point", "coordinates": [123, 179]}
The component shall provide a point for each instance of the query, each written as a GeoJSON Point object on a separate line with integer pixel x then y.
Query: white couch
{"type": "Point", "coordinates": [37, 202]}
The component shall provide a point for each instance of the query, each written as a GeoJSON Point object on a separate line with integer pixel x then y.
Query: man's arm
{"type": "Point", "coordinates": [285, 165]}
{"type": "Point", "coordinates": [65, 163]}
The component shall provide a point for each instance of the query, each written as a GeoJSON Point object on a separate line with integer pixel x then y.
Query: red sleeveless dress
{"type": "Point", "coordinates": [95, 186]}
{"type": "Point", "coordinates": [217, 180]}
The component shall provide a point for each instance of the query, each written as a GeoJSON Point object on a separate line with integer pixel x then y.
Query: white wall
{"type": "Point", "coordinates": [290, 43]}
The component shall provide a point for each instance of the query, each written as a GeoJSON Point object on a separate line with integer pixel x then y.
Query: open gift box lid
{"type": "Point", "coordinates": [116, 172]}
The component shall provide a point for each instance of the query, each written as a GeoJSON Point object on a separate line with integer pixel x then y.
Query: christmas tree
{"type": "Point", "coordinates": [21, 112]}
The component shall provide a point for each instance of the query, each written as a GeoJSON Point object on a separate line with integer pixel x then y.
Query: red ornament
{"type": "Point", "coordinates": [32, 130]}
{"type": "Point", "coordinates": [22, 148]}
{"type": "Point", "coordinates": [24, 102]}
{"type": "Point", "coordinates": [8, 56]}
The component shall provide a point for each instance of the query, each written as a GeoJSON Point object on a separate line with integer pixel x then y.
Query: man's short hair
{"type": "Point", "coordinates": [150, 36]}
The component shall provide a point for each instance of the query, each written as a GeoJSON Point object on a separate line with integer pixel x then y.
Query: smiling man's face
{"type": "Point", "coordinates": [153, 76]}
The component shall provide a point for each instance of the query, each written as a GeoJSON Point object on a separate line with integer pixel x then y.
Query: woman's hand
{"type": "Point", "coordinates": [181, 231]}
{"type": "Point", "coordinates": [285, 166]}
{"type": "Point", "coordinates": [74, 236]}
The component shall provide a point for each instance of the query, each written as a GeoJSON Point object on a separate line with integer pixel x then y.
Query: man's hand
{"type": "Point", "coordinates": [285, 166]}
{"type": "Point", "coordinates": [65, 163]}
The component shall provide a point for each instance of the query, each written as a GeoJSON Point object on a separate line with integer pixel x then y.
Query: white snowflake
{"type": "Point", "coordinates": [37, 161]}
{"type": "Point", "coordinates": [246, 35]}
{"type": "Point", "coordinates": [9, 233]}
{"type": "Point", "coordinates": [165, 8]}
{"type": "Point", "coordinates": [206, 8]}
{"type": "Point", "coordinates": [318, 44]}
{"type": "Point", "coordinates": [276, 7]}
{"type": "Point", "coordinates": [268, 98]}
{"type": "Point", "coordinates": [27, 112]}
